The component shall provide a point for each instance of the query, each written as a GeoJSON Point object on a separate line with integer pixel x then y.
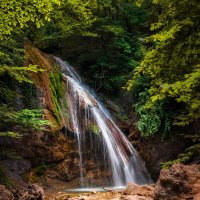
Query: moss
{"type": "Point", "coordinates": [94, 129]}
{"type": "Point", "coordinates": [58, 87]}
{"type": "Point", "coordinates": [4, 179]}
{"type": "Point", "coordinates": [56, 92]}
{"type": "Point", "coordinates": [40, 170]}
{"type": "Point", "coordinates": [56, 110]}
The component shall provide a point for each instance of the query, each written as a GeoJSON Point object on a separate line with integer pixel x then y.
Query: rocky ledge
{"type": "Point", "coordinates": [180, 182]}
{"type": "Point", "coordinates": [132, 192]}
{"type": "Point", "coordinates": [32, 192]}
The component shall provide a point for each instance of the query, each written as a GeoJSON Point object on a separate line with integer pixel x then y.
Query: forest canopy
{"type": "Point", "coordinates": [151, 44]}
{"type": "Point", "coordinates": [171, 67]}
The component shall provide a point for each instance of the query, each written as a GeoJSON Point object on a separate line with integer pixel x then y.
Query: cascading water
{"type": "Point", "coordinates": [98, 137]}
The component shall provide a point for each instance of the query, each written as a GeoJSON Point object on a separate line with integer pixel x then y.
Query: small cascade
{"type": "Point", "coordinates": [100, 142]}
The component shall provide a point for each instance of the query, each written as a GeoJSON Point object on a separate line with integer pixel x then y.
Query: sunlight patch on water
{"type": "Point", "coordinates": [100, 189]}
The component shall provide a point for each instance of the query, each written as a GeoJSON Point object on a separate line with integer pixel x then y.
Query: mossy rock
{"type": "Point", "coordinates": [4, 178]}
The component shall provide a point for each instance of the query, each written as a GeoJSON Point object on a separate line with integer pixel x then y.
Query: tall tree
{"type": "Point", "coordinates": [172, 64]}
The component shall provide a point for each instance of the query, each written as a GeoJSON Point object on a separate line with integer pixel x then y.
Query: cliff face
{"type": "Point", "coordinates": [50, 154]}
{"type": "Point", "coordinates": [180, 182]}
{"type": "Point", "coordinates": [50, 85]}
{"type": "Point", "coordinates": [52, 95]}
{"type": "Point", "coordinates": [51, 159]}
{"type": "Point", "coordinates": [48, 157]}
{"type": "Point", "coordinates": [43, 156]}
{"type": "Point", "coordinates": [155, 151]}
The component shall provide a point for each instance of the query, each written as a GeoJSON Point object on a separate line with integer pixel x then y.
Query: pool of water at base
{"type": "Point", "coordinates": [98, 189]}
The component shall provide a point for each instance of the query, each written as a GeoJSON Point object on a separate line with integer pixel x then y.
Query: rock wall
{"type": "Point", "coordinates": [155, 151]}
{"type": "Point", "coordinates": [49, 157]}
{"type": "Point", "coordinates": [42, 148]}
{"type": "Point", "coordinates": [178, 183]}
{"type": "Point", "coordinates": [51, 154]}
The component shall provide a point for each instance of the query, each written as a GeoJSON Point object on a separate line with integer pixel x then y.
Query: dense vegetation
{"type": "Point", "coordinates": [15, 88]}
{"type": "Point", "coordinates": [152, 43]}
{"type": "Point", "coordinates": [169, 71]}
{"type": "Point", "coordinates": [99, 37]}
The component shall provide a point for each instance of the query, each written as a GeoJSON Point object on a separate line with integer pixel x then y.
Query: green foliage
{"type": "Point", "coordinates": [94, 129]}
{"type": "Point", "coordinates": [172, 62]}
{"type": "Point", "coordinates": [25, 120]}
{"type": "Point", "coordinates": [20, 73]}
{"type": "Point", "coordinates": [73, 17]}
{"type": "Point", "coordinates": [11, 53]}
{"type": "Point", "coordinates": [16, 17]}
{"type": "Point", "coordinates": [56, 92]}
{"type": "Point", "coordinates": [10, 134]}
{"type": "Point", "coordinates": [40, 170]}
{"type": "Point", "coordinates": [7, 95]}
{"type": "Point", "coordinates": [156, 119]}
{"type": "Point", "coordinates": [29, 96]}
{"type": "Point", "coordinates": [101, 38]}
{"type": "Point", "coordinates": [20, 13]}
{"type": "Point", "coordinates": [31, 118]}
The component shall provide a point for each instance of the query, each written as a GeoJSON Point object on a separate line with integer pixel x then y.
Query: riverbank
{"type": "Point", "coordinates": [180, 182]}
{"type": "Point", "coordinates": [133, 191]}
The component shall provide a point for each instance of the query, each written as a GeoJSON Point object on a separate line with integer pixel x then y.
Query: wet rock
{"type": "Point", "coordinates": [156, 151]}
{"type": "Point", "coordinates": [38, 190]}
{"type": "Point", "coordinates": [136, 197]}
{"type": "Point", "coordinates": [111, 195]}
{"type": "Point", "coordinates": [16, 168]}
{"type": "Point", "coordinates": [146, 191]}
{"type": "Point", "coordinates": [5, 194]}
{"type": "Point", "coordinates": [64, 171]}
{"type": "Point", "coordinates": [33, 192]}
{"type": "Point", "coordinates": [44, 147]}
{"type": "Point", "coordinates": [93, 192]}
{"type": "Point", "coordinates": [178, 183]}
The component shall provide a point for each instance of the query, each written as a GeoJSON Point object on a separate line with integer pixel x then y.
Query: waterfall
{"type": "Point", "coordinates": [98, 137]}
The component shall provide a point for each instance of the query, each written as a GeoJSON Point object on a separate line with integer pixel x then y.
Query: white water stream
{"type": "Point", "coordinates": [98, 134]}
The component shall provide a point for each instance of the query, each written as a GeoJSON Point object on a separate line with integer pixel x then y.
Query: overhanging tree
{"type": "Point", "coordinates": [173, 61]}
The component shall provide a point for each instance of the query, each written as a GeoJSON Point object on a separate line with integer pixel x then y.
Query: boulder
{"type": "Point", "coordinates": [146, 191]}
{"type": "Point", "coordinates": [179, 182]}
{"type": "Point", "coordinates": [33, 192]}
